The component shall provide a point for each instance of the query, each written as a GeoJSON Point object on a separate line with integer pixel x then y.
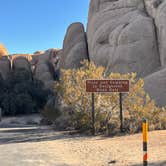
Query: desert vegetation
{"type": "Point", "coordinates": [22, 94]}
{"type": "Point", "coordinates": [77, 102]}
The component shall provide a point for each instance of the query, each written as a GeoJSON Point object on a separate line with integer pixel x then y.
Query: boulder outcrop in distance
{"type": "Point", "coordinates": [42, 65]}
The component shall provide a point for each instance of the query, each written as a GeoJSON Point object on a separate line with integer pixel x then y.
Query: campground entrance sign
{"type": "Point", "coordinates": [107, 86]}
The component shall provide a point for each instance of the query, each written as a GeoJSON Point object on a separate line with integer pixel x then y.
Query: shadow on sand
{"type": "Point", "coordinates": [163, 163]}
{"type": "Point", "coordinates": [29, 134]}
{"type": "Point", "coordinates": [9, 135]}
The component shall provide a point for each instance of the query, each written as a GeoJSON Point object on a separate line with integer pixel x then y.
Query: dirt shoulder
{"type": "Point", "coordinates": [41, 146]}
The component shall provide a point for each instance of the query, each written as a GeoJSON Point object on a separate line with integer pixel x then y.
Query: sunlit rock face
{"type": "Point", "coordinates": [160, 21]}
{"type": "Point", "coordinates": [3, 50]}
{"type": "Point", "coordinates": [21, 62]}
{"type": "Point", "coordinates": [42, 72]}
{"type": "Point", "coordinates": [45, 66]}
{"type": "Point", "coordinates": [155, 85]}
{"type": "Point", "coordinates": [74, 47]}
{"type": "Point", "coordinates": [51, 55]}
{"type": "Point", "coordinates": [151, 7]}
{"type": "Point", "coordinates": [122, 37]}
{"type": "Point", "coordinates": [157, 10]}
{"type": "Point", "coordinates": [130, 36]}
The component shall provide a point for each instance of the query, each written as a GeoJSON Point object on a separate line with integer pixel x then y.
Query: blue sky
{"type": "Point", "coordinates": [30, 25]}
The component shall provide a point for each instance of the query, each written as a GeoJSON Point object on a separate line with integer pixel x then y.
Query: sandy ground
{"type": "Point", "coordinates": [41, 146]}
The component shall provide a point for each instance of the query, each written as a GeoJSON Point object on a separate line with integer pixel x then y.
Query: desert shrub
{"type": "Point", "coordinates": [136, 104]}
{"type": "Point", "coordinates": [20, 94]}
{"type": "Point", "coordinates": [51, 111]}
{"type": "Point", "coordinates": [157, 119]}
{"type": "Point", "coordinates": [65, 120]}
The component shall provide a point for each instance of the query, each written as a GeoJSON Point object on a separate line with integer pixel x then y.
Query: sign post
{"type": "Point", "coordinates": [145, 140]}
{"type": "Point", "coordinates": [107, 86]}
{"type": "Point", "coordinates": [0, 114]}
{"type": "Point", "coordinates": [93, 113]}
{"type": "Point", "coordinates": [121, 112]}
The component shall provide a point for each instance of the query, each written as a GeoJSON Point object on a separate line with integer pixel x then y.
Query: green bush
{"type": "Point", "coordinates": [20, 94]}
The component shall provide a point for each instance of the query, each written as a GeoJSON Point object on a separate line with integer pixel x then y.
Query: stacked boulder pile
{"type": "Point", "coordinates": [75, 47]}
{"type": "Point", "coordinates": [41, 65]}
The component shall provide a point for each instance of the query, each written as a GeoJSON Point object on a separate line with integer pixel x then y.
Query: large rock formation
{"type": "Point", "coordinates": [45, 66]}
{"type": "Point", "coordinates": [5, 66]}
{"type": "Point", "coordinates": [74, 47]}
{"type": "Point", "coordinates": [3, 50]}
{"type": "Point", "coordinates": [21, 62]}
{"type": "Point", "coordinates": [130, 36]}
{"type": "Point", "coordinates": [42, 72]}
{"type": "Point", "coordinates": [157, 10]}
{"type": "Point", "coordinates": [122, 37]}
{"type": "Point", "coordinates": [160, 21]}
{"type": "Point", "coordinates": [155, 85]}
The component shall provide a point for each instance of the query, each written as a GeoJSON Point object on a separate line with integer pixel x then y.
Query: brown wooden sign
{"type": "Point", "coordinates": [119, 86]}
